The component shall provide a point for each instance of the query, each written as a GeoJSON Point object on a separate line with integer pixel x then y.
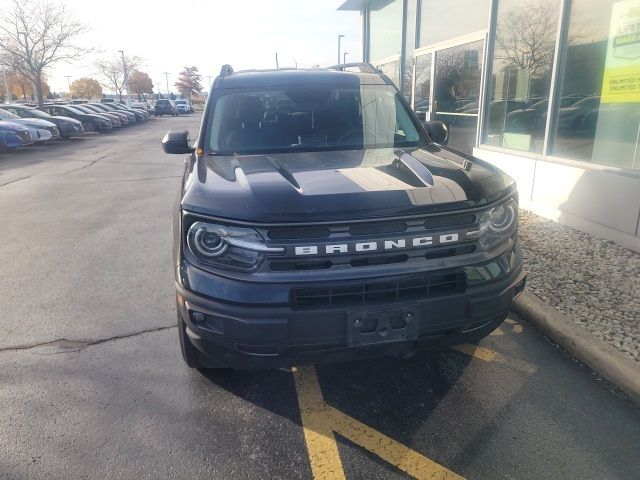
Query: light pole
{"type": "Point", "coordinates": [166, 76]}
{"type": "Point", "coordinates": [157, 90]}
{"type": "Point", "coordinates": [68, 77]}
{"type": "Point", "coordinates": [126, 77]}
{"type": "Point", "coordinates": [209, 83]}
{"type": "Point", "coordinates": [344, 57]}
{"type": "Point", "coordinates": [339, 37]}
{"type": "Point", "coordinates": [294, 61]}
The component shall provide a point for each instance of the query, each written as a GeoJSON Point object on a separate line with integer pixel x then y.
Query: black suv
{"type": "Point", "coordinates": [164, 107]}
{"type": "Point", "coordinates": [318, 220]}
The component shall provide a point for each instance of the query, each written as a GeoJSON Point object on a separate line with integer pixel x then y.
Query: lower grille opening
{"type": "Point", "coordinates": [414, 287]}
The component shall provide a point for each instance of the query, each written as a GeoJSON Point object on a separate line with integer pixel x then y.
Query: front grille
{"type": "Point", "coordinates": [293, 236]}
{"type": "Point", "coordinates": [406, 288]}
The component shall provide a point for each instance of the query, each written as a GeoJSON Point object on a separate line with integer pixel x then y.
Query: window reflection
{"type": "Point", "coordinates": [385, 17]}
{"type": "Point", "coordinates": [440, 21]}
{"type": "Point", "coordinates": [391, 70]}
{"type": "Point", "coordinates": [599, 113]}
{"type": "Point", "coordinates": [521, 74]}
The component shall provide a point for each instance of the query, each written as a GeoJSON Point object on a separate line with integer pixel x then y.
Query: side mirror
{"type": "Point", "coordinates": [437, 131]}
{"type": "Point", "coordinates": [176, 142]}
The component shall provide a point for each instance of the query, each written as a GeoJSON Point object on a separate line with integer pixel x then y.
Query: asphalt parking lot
{"type": "Point", "coordinates": [92, 384]}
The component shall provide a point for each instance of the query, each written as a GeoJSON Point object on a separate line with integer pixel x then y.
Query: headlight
{"type": "Point", "coordinates": [497, 224]}
{"type": "Point", "coordinates": [236, 248]}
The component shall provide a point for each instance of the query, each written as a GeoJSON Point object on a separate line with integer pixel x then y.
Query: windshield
{"type": "Point", "coordinates": [308, 118]}
{"type": "Point", "coordinates": [4, 115]}
{"type": "Point", "coordinates": [89, 109]}
{"type": "Point", "coordinates": [181, 102]}
{"type": "Point", "coordinates": [32, 112]}
{"type": "Point", "coordinates": [73, 109]}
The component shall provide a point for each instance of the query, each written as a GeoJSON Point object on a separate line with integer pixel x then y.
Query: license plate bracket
{"type": "Point", "coordinates": [382, 325]}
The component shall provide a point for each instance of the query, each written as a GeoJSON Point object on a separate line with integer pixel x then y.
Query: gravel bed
{"type": "Point", "coordinates": [594, 282]}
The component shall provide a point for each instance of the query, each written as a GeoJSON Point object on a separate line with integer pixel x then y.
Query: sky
{"type": "Point", "coordinates": [207, 34]}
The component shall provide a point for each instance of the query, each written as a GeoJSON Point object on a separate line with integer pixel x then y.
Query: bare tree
{"type": "Point", "coordinates": [526, 38]}
{"type": "Point", "coordinates": [112, 71]}
{"type": "Point", "coordinates": [35, 34]}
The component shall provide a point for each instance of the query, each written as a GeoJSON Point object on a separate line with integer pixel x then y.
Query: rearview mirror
{"type": "Point", "coordinates": [176, 142]}
{"type": "Point", "coordinates": [437, 131]}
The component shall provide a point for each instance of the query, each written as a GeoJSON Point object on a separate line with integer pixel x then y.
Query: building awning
{"type": "Point", "coordinates": [357, 5]}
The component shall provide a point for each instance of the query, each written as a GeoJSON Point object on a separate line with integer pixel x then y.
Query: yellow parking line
{"type": "Point", "coordinates": [316, 425]}
{"type": "Point", "coordinates": [398, 455]}
{"type": "Point", "coordinates": [320, 420]}
{"type": "Point", "coordinates": [488, 355]}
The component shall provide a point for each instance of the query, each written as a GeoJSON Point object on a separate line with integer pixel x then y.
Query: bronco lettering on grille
{"type": "Point", "coordinates": [380, 245]}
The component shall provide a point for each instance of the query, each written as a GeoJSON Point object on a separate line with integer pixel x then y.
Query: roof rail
{"type": "Point", "coordinates": [365, 67]}
{"type": "Point", "coordinates": [226, 70]}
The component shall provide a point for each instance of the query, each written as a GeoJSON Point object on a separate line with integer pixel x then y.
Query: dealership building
{"type": "Point", "coordinates": [547, 90]}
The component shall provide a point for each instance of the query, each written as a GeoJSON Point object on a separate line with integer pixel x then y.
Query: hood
{"type": "Point", "coordinates": [346, 184]}
{"type": "Point", "coordinates": [34, 122]}
{"type": "Point", "coordinates": [12, 127]}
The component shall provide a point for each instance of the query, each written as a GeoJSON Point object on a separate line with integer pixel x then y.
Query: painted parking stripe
{"type": "Point", "coordinates": [488, 355]}
{"type": "Point", "coordinates": [320, 420]}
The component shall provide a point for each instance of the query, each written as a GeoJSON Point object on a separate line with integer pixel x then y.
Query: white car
{"type": "Point", "coordinates": [41, 130]}
{"type": "Point", "coordinates": [183, 106]}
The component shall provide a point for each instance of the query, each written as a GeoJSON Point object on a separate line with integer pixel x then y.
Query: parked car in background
{"type": "Point", "coordinates": [67, 126]}
{"type": "Point", "coordinates": [113, 120]}
{"type": "Point", "coordinates": [138, 115]}
{"type": "Point", "coordinates": [183, 106]}
{"type": "Point", "coordinates": [107, 100]}
{"type": "Point", "coordinates": [164, 106]}
{"type": "Point", "coordinates": [91, 122]}
{"type": "Point", "coordinates": [43, 129]}
{"type": "Point", "coordinates": [13, 135]}
{"type": "Point", "coordinates": [144, 105]}
{"type": "Point", "coordinates": [124, 118]}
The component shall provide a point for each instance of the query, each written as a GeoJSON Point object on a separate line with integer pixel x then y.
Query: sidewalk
{"type": "Point", "coordinates": [594, 282]}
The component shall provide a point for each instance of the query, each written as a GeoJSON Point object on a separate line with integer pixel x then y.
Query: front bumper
{"type": "Point", "coordinates": [70, 130]}
{"type": "Point", "coordinates": [260, 335]}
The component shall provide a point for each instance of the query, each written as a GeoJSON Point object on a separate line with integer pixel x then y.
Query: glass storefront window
{"type": "Point", "coordinates": [391, 70]}
{"type": "Point", "coordinates": [520, 79]}
{"type": "Point", "coordinates": [598, 119]}
{"type": "Point", "coordinates": [385, 23]}
{"type": "Point", "coordinates": [423, 85]}
{"type": "Point", "coordinates": [456, 92]}
{"type": "Point", "coordinates": [441, 21]}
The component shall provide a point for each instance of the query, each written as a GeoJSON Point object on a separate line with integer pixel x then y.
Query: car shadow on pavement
{"type": "Point", "coordinates": [390, 394]}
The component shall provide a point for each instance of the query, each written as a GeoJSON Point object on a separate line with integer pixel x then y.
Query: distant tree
{"type": "Point", "coordinates": [112, 71]}
{"type": "Point", "coordinates": [189, 82]}
{"type": "Point", "coordinates": [21, 86]}
{"type": "Point", "coordinates": [140, 83]}
{"type": "Point", "coordinates": [35, 34]}
{"type": "Point", "coordinates": [86, 88]}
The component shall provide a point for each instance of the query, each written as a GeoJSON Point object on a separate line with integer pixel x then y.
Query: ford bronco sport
{"type": "Point", "coordinates": [318, 220]}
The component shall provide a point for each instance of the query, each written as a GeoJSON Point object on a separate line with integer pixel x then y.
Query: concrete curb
{"type": "Point", "coordinates": [597, 354]}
